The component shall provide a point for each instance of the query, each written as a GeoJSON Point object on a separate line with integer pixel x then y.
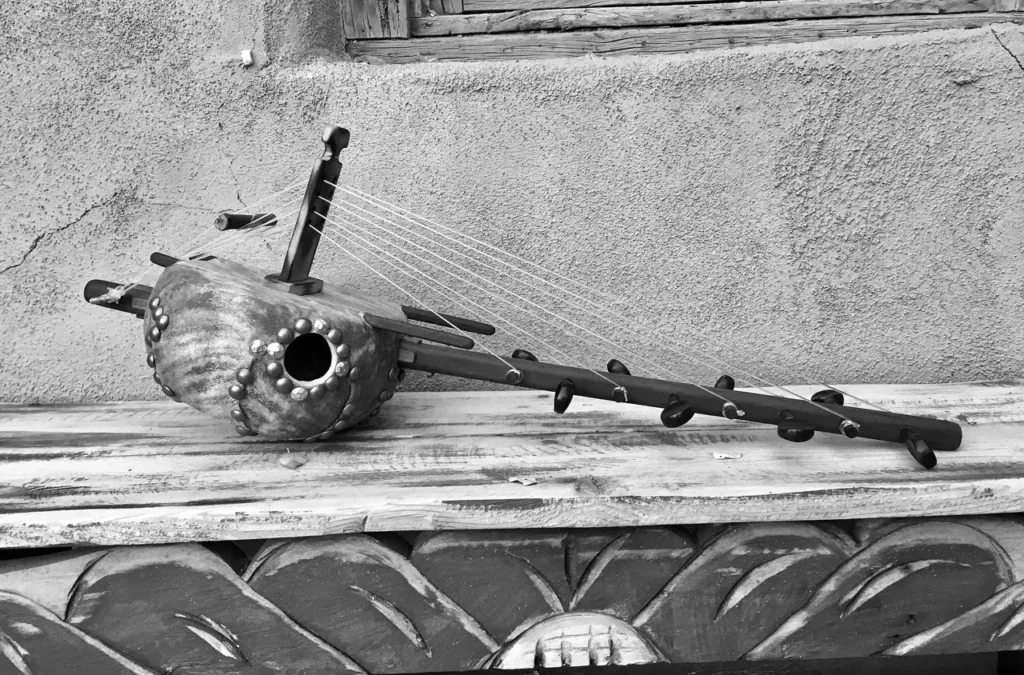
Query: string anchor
{"type": "Point", "coordinates": [793, 429]}
{"type": "Point", "coordinates": [919, 448]}
{"type": "Point", "coordinates": [676, 413]}
{"type": "Point", "coordinates": [829, 396]}
{"type": "Point", "coordinates": [514, 376]}
{"type": "Point", "coordinates": [725, 382]}
{"type": "Point", "coordinates": [525, 355]}
{"type": "Point", "coordinates": [730, 411]}
{"type": "Point", "coordinates": [849, 429]}
{"type": "Point", "coordinates": [617, 367]}
{"type": "Point", "coordinates": [563, 395]}
{"type": "Point", "coordinates": [620, 395]}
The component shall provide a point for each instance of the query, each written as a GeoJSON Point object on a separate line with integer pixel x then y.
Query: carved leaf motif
{"type": "Point", "coordinates": [758, 576]}
{"type": "Point", "coordinates": [886, 578]}
{"type": "Point", "coordinates": [400, 621]}
{"type": "Point", "coordinates": [893, 588]}
{"type": "Point", "coordinates": [369, 600]}
{"type": "Point", "coordinates": [14, 653]}
{"type": "Point", "coordinates": [744, 582]}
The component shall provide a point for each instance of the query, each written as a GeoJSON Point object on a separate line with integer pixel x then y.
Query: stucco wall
{"type": "Point", "coordinates": [854, 206]}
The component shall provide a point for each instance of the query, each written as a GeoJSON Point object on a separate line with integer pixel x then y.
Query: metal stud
{"type": "Point", "coordinates": [299, 394]}
{"type": "Point", "coordinates": [154, 334]}
{"type": "Point", "coordinates": [244, 431]}
{"type": "Point", "coordinates": [283, 385]}
{"type": "Point", "coordinates": [236, 391]}
{"type": "Point", "coordinates": [354, 374]}
{"type": "Point", "coordinates": [326, 435]}
{"type": "Point", "coordinates": [154, 302]}
{"type": "Point", "coordinates": [343, 350]}
{"type": "Point", "coordinates": [168, 391]}
{"type": "Point", "coordinates": [238, 415]}
{"type": "Point", "coordinates": [341, 369]}
{"type": "Point", "coordinates": [257, 347]}
{"type": "Point", "coordinates": [318, 392]}
{"type": "Point", "coordinates": [275, 350]}
{"type": "Point", "coordinates": [151, 360]}
{"type": "Point", "coordinates": [348, 410]}
{"type": "Point", "coordinates": [275, 369]}
{"type": "Point", "coordinates": [156, 378]}
{"type": "Point", "coordinates": [245, 376]}
{"type": "Point", "coordinates": [332, 383]}
{"type": "Point", "coordinates": [339, 425]}
{"type": "Point", "coordinates": [320, 325]}
{"type": "Point", "coordinates": [376, 411]}
{"type": "Point", "coordinates": [401, 374]}
{"type": "Point", "coordinates": [158, 312]}
{"type": "Point", "coordinates": [285, 335]}
{"type": "Point", "coordinates": [334, 336]}
{"type": "Point", "coordinates": [303, 326]}
{"type": "Point", "coordinates": [384, 395]}
{"type": "Point", "coordinates": [393, 375]}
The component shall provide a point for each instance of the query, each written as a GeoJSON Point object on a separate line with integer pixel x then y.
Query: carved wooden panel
{"type": "Point", "coordinates": [447, 601]}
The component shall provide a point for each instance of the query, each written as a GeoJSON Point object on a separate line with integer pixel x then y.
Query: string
{"type": "Point", "coordinates": [558, 297]}
{"type": "Point", "coordinates": [414, 298]}
{"type": "Point", "coordinates": [384, 205]}
{"type": "Point", "coordinates": [447, 288]}
{"type": "Point", "coordinates": [116, 293]}
{"type": "Point", "coordinates": [512, 293]}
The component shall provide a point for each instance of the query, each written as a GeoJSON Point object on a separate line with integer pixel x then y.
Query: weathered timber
{"type": "Point", "coordinates": [363, 19]}
{"type": "Point", "coordinates": [460, 601]}
{"type": "Point", "coordinates": [500, 5]}
{"type": "Point", "coordinates": [434, 7]}
{"type": "Point", "coordinates": [683, 14]}
{"type": "Point", "coordinates": [159, 472]}
{"type": "Point", "coordinates": [541, 45]}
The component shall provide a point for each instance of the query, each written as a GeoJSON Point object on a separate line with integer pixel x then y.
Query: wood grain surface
{"type": "Point", "coordinates": [525, 600]}
{"type": "Point", "coordinates": [161, 472]}
{"type": "Point", "coordinates": [624, 41]}
{"type": "Point", "coordinates": [682, 14]}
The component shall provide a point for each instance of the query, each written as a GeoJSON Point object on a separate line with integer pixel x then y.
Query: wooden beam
{"type": "Point", "coordinates": [516, 46]}
{"type": "Point", "coordinates": [683, 14]}
{"type": "Point", "coordinates": [155, 472]}
{"type": "Point", "coordinates": [374, 19]}
{"type": "Point", "coordinates": [526, 600]}
{"type": "Point", "coordinates": [502, 5]}
{"type": "Point", "coordinates": [434, 7]}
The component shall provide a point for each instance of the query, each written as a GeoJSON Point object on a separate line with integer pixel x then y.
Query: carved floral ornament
{"type": "Point", "coordinates": [526, 599]}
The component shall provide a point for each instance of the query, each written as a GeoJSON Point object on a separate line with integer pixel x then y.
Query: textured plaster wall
{"type": "Point", "coordinates": [854, 206]}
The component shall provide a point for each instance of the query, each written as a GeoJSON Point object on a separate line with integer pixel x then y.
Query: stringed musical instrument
{"type": "Point", "coordinates": [288, 356]}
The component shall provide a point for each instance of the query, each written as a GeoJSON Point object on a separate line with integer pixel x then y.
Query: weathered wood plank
{"type": "Point", "coordinates": [160, 472]}
{"type": "Point", "coordinates": [502, 5]}
{"type": "Point", "coordinates": [515, 46]}
{"type": "Point", "coordinates": [369, 19]}
{"type": "Point", "coordinates": [434, 7]}
{"type": "Point", "coordinates": [682, 14]}
{"type": "Point", "coordinates": [525, 600]}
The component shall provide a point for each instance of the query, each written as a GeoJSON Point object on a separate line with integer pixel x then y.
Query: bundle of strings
{"type": "Point", "coordinates": [411, 251]}
{"type": "Point", "coordinates": [288, 202]}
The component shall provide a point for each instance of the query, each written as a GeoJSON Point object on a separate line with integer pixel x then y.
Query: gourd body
{"type": "Point", "coordinates": [237, 347]}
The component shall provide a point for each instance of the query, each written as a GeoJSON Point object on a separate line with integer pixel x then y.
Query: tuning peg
{"type": "Point", "coordinates": [725, 382]}
{"type": "Point", "coordinates": [828, 396]}
{"type": "Point", "coordinates": [676, 413]}
{"type": "Point", "coordinates": [615, 366]}
{"type": "Point", "coordinates": [523, 354]}
{"type": "Point", "coordinates": [792, 429]}
{"type": "Point", "coordinates": [563, 395]}
{"type": "Point", "coordinates": [919, 449]}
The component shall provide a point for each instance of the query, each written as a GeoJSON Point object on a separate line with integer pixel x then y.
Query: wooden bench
{"type": "Point", "coordinates": [463, 531]}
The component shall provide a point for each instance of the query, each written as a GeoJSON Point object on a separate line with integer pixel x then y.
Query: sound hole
{"type": "Point", "coordinates": [308, 357]}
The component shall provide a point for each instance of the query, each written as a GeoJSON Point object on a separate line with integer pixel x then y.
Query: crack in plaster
{"type": "Point", "coordinates": [1007, 50]}
{"type": "Point", "coordinates": [46, 235]}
